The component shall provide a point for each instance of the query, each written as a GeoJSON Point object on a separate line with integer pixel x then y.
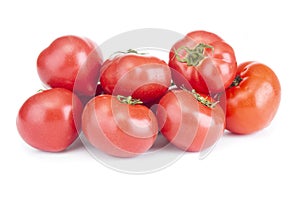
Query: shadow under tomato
{"type": "Point", "coordinates": [160, 143]}
{"type": "Point", "coordinates": [75, 146]}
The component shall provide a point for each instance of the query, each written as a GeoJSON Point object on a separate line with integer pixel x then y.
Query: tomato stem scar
{"type": "Point", "coordinates": [237, 80]}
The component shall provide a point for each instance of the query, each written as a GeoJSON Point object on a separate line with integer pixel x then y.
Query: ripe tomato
{"type": "Point", "coordinates": [143, 77]}
{"type": "Point", "coordinates": [203, 61]}
{"type": "Point", "coordinates": [253, 99]}
{"type": "Point", "coordinates": [70, 62]}
{"type": "Point", "coordinates": [118, 128]}
{"type": "Point", "coordinates": [189, 121]}
{"type": "Point", "coordinates": [50, 119]}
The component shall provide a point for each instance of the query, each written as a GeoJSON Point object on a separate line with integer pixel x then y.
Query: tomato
{"type": "Point", "coordinates": [253, 99]}
{"type": "Point", "coordinates": [143, 77]}
{"type": "Point", "coordinates": [119, 126]}
{"type": "Point", "coordinates": [50, 119]}
{"type": "Point", "coordinates": [203, 61]}
{"type": "Point", "coordinates": [189, 121]}
{"type": "Point", "coordinates": [70, 62]}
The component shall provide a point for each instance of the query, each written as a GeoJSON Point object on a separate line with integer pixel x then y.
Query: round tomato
{"type": "Point", "coordinates": [203, 61]}
{"type": "Point", "coordinates": [119, 126]}
{"type": "Point", "coordinates": [253, 98]}
{"type": "Point", "coordinates": [70, 62]}
{"type": "Point", "coordinates": [143, 77]}
{"type": "Point", "coordinates": [50, 119]}
{"type": "Point", "coordinates": [189, 121]}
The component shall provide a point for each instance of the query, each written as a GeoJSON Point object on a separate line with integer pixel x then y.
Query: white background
{"type": "Point", "coordinates": [262, 165]}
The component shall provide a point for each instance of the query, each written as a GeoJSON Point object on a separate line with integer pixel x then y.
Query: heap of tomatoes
{"type": "Point", "coordinates": [122, 103]}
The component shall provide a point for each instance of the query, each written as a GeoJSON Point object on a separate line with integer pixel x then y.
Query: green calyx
{"type": "Point", "coordinates": [194, 56]}
{"type": "Point", "coordinates": [203, 100]}
{"type": "Point", "coordinates": [130, 51]}
{"type": "Point", "coordinates": [128, 100]}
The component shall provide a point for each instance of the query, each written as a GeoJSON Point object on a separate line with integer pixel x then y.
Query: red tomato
{"type": "Point", "coordinates": [201, 36]}
{"type": "Point", "coordinates": [118, 128]}
{"type": "Point", "coordinates": [203, 61]}
{"type": "Point", "coordinates": [143, 77]}
{"type": "Point", "coordinates": [70, 62]}
{"type": "Point", "coordinates": [189, 121]}
{"type": "Point", "coordinates": [253, 99]}
{"type": "Point", "coordinates": [50, 119]}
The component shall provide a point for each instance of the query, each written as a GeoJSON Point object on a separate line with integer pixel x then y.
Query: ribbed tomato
{"type": "Point", "coordinates": [253, 98]}
{"type": "Point", "coordinates": [203, 61]}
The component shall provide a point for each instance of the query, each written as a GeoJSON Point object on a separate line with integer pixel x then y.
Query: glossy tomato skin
{"type": "Point", "coordinates": [70, 62]}
{"type": "Point", "coordinates": [253, 103]}
{"type": "Point", "coordinates": [213, 73]}
{"type": "Point", "coordinates": [143, 77]}
{"type": "Point", "coordinates": [119, 129]}
{"type": "Point", "coordinates": [50, 119]}
{"type": "Point", "coordinates": [187, 123]}
{"type": "Point", "coordinates": [201, 36]}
